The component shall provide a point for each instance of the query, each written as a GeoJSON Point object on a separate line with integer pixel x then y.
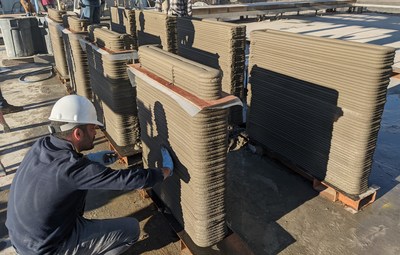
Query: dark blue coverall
{"type": "Point", "coordinates": [47, 200]}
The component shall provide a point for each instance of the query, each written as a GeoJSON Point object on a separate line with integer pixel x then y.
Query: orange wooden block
{"type": "Point", "coordinates": [329, 192]}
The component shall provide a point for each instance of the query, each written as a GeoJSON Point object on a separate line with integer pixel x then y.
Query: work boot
{"type": "Point", "coordinates": [11, 109]}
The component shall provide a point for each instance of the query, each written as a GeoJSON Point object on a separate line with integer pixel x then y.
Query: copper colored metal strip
{"type": "Point", "coordinates": [202, 104]}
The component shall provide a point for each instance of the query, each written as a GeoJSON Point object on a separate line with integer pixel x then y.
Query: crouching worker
{"type": "Point", "coordinates": [47, 195]}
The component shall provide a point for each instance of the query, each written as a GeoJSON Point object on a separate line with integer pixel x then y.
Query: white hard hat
{"type": "Point", "coordinates": [74, 109]}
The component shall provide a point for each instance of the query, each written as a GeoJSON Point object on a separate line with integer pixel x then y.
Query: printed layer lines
{"type": "Point", "coordinates": [109, 81]}
{"type": "Point", "coordinates": [220, 45]}
{"type": "Point", "coordinates": [57, 43]}
{"type": "Point", "coordinates": [156, 28]}
{"type": "Point", "coordinates": [197, 139]}
{"type": "Point", "coordinates": [78, 68]}
{"type": "Point", "coordinates": [318, 103]}
{"type": "Point", "coordinates": [123, 21]}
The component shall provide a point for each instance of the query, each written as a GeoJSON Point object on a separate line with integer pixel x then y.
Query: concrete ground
{"type": "Point", "coordinates": [273, 209]}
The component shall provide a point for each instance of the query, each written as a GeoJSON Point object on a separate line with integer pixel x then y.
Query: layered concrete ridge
{"type": "Point", "coordinates": [79, 70]}
{"type": "Point", "coordinates": [123, 21]}
{"type": "Point", "coordinates": [109, 81]}
{"type": "Point", "coordinates": [197, 139]}
{"type": "Point", "coordinates": [68, 54]}
{"type": "Point", "coordinates": [56, 15]}
{"type": "Point", "coordinates": [57, 43]}
{"type": "Point", "coordinates": [112, 41]}
{"type": "Point", "coordinates": [318, 102]}
{"type": "Point", "coordinates": [198, 79]}
{"type": "Point", "coordinates": [220, 45]}
{"type": "Point", "coordinates": [75, 24]}
{"type": "Point", "coordinates": [156, 28]}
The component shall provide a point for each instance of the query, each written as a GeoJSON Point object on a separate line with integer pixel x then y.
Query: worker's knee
{"type": "Point", "coordinates": [134, 230]}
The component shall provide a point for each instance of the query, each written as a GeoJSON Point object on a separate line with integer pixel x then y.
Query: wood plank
{"type": "Point", "coordinates": [377, 6]}
{"type": "Point", "coordinates": [269, 6]}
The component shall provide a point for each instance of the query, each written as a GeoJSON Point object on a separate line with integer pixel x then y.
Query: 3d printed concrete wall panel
{"type": "Point", "coordinates": [197, 39]}
{"type": "Point", "coordinates": [219, 45]}
{"type": "Point", "coordinates": [113, 41]}
{"type": "Point", "coordinates": [56, 15]}
{"type": "Point", "coordinates": [69, 58]}
{"type": "Point", "coordinates": [195, 78]}
{"type": "Point", "coordinates": [77, 25]}
{"type": "Point", "coordinates": [123, 21]}
{"type": "Point", "coordinates": [156, 28]}
{"type": "Point", "coordinates": [318, 103]}
{"type": "Point", "coordinates": [79, 72]}
{"type": "Point", "coordinates": [110, 83]}
{"type": "Point", "coordinates": [57, 43]}
{"type": "Point", "coordinates": [198, 141]}
{"type": "Point", "coordinates": [195, 194]}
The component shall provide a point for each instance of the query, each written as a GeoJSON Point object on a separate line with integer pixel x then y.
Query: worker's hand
{"type": "Point", "coordinates": [103, 157]}
{"type": "Point", "coordinates": [167, 160]}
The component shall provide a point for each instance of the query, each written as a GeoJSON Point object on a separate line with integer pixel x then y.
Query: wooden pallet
{"type": "Point", "coordinates": [396, 73]}
{"type": "Point", "coordinates": [326, 190]}
{"type": "Point", "coordinates": [63, 78]}
{"type": "Point", "coordinates": [129, 160]}
{"type": "Point", "coordinates": [126, 154]}
{"type": "Point", "coordinates": [396, 76]}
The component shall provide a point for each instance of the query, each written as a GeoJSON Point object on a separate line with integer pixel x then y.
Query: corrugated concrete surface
{"type": "Point", "coordinates": [274, 210]}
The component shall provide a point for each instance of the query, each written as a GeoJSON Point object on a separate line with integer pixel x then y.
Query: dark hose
{"type": "Point", "coordinates": [39, 71]}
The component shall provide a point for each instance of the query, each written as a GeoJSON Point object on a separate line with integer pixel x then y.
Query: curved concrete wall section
{"type": "Point", "coordinates": [195, 193]}
{"type": "Point", "coordinates": [220, 45]}
{"type": "Point", "coordinates": [69, 57]}
{"type": "Point", "coordinates": [113, 41]}
{"type": "Point", "coordinates": [77, 25]}
{"type": "Point", "coordinates": [318, 103]}
{"type": "Point", "coordinates": [57, 43]}
{"type": "Point", "coordinates": [156, 28]}
{"type": "Point", "coordinates": [81, 68]}
{"type": "Point", "coordinates": [123, 21]}
{"type": "Point", "coordinates": [78, 69]}
{"type": "Point", "coordinates": [110, 83]}
{"type": "Point", "coordinates": [56, 15]}
{"type": "Point", "coordinates": [198, 79]}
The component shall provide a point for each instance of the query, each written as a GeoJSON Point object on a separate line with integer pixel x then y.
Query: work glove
{"type": "Point", "coordinates": [167, 160]}
{"type": "Point", "coordinates": [103, 157]}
